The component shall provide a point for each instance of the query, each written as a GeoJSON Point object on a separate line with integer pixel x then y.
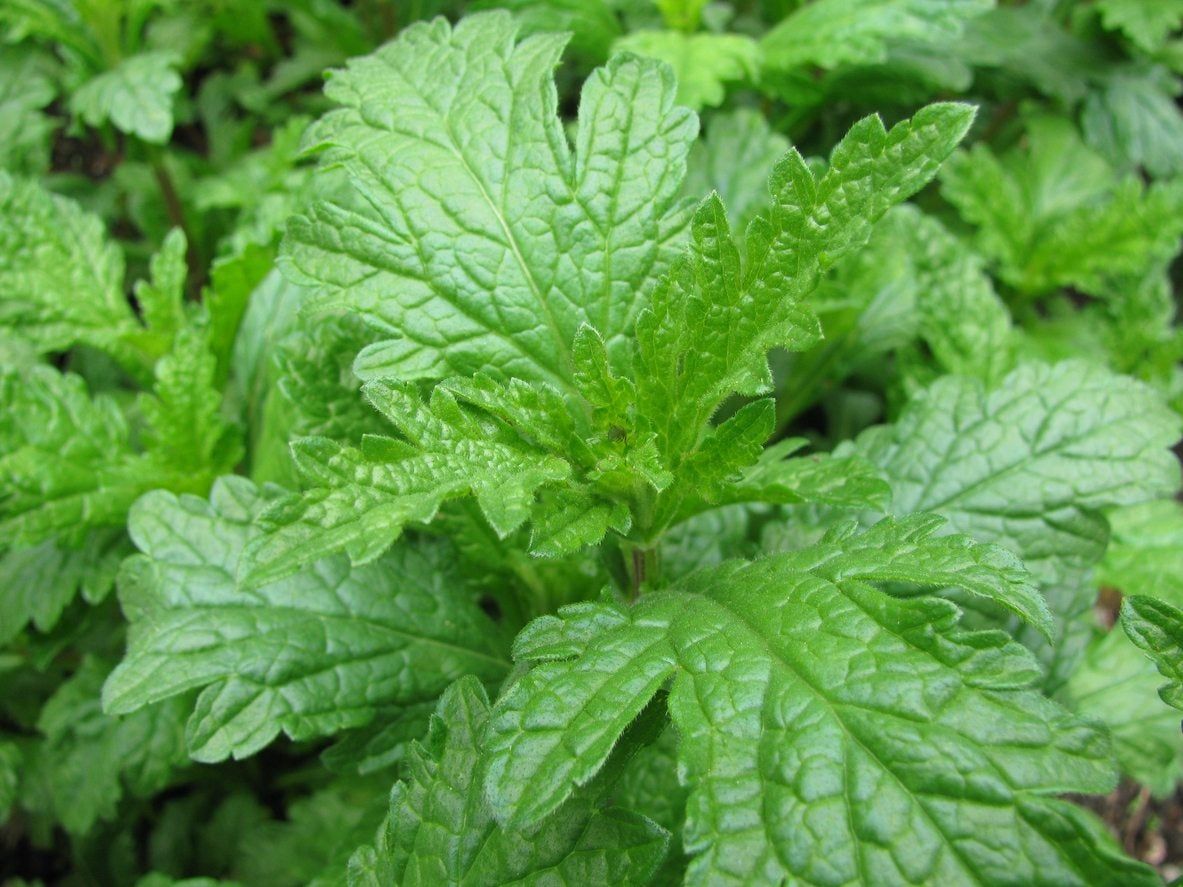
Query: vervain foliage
{"type": "Point", "coordinates": [478, 475]}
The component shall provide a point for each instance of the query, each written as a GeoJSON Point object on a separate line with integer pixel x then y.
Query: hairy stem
{"type": "Point", "coordinates": [644, 568]}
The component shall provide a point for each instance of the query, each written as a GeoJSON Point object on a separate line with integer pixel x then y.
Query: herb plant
{"type": "Point", "coordinates": [480, 475]}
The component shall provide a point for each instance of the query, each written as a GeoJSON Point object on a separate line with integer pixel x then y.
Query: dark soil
{"type": "Point", "coordinates": [1150, 829]}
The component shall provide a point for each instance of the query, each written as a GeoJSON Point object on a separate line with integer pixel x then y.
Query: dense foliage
{"type": "Point", "coordinates": [588, 441]}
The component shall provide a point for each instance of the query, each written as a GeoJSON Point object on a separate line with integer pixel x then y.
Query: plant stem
{"type": "Point", "coordinates": [176, 215]}
{"type": "Point", "coordinates": [644, 567]}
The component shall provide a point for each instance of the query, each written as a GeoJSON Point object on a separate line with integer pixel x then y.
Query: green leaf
{"type": "Point", "coordinates": [308, 655]}
{"type": "Point", "coordinates": [233, 279]}
{"type": "Point", "coordinates": [649, 783]}
{"type": "Point", "coordinates": [38, 582]}
{"type": "Point", "coordinates": [61, 279]}
{"type": "Point", "coordinates": [1114, 684]}
{"type": "Point", "coordinates": [828, 33]}
{"type": "Point", "coordinates": [1145, 552]}
{"type": "Point", "coordinates": [362, 499]}
{"type": "Point", "coordinates": [733, 158]}
{"type": "Point", "coordinates": [704, 64]}
{"type": "Point", "coordinates": [26, 87]}
{"type": "Point", "coordinates": [159, 879]}
{"type": "Point", "coordinates": [705, 540]}
{"type": "Point", "coordinates": [440, 830]}
{"type": "Point", "coordinates": [708, 326]}
{"type": "Point", "coordinates": [65, 459]}
{"type": "Point", "coordinates": [10, 770]}
{"type": "Point", "coordinates": [161, 298]}
{"type": "Point", "coordinates": [914, 284]}
{"type": "Point", "coordinates": [380, 744]}
{"type": "Point", "coordinates": [1133, 120]}
{"type": "Point", "coordinates": [136, 96]}
{"type": "Point", "coordinates": [315, 378]}
{"type": "Point", "coordinates": [186, 435]}
{"type": "Point", "coordinates": [964, 323]}
{"type": "Point", "coordinates": [807, 702]}
{"type": "Point", "coordinates": [1147, 23]}
{"type": "Point", "coordinates": [56, 21]}
{"type": "Point", "coordinates": [1030, 45]}
{"type": "Point", "coordinates": [311, 845]}
{"type": "Point", "coordinates": [820, 478]}
{"type": "Point", "coordinates": [651, 456]}
{"type": "Point", "coordinates": [468, 181]}
{"type": "Point", "coordinates": [1030, 463]}
{"type": "Point", "coordinates": [1131, 331]}
{"type": "Point", "coordinates": [682, 15]}
{"type": "Point", "coordinates": [78, 773]}
{"type": "Point", "coordinates": [1157, 628]}
{"type": "Point", "coordinates": [1056, 215]}
{"type": "Point", "coordinates": [593, 24]}
{"type": "Point", "coordinates": [307, 387]}
{"type": "Point", "coordinates": [270, 320]}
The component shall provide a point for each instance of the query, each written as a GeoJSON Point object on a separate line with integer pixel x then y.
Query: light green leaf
{"type": "Point", "coordinates": [828, 33]}
{"type": "Point", "coordinates": [568, 521]}
{"type": "Point", "coordinates": [362, 499]}
{"type": "Point", "coordinates": [1116, 685]}
{"type": "Point", "coordinates": [440, 831]}
{"type": "Point", "coordinates": [913, 284]}
{"type": "Point", "coordinates": [1133, 119]}
{"type": "Point", "coordinates": [733, 158]}
{"type": "Point", "coordinates": [1157, 628]}
{"type": "Point", "coordinates": [65, 459]}
{"type": "Point", "coordinates": [704, 64]}
{"type": "Point", "coordinates": [965, 325]}
{"type": "Point", "coordinates": [682, 15]}
{"type": "Point", "coordinates": [708, 326]}
{"type": "Point", "coordinates": [807, 702]}
{"type": "Point", "coordinates": [1145, 552]}
{"type": "Point", "coordinates": [592, 24]}
{"type": "Point", "coordinates": [732, 467]}
{"type": "Point", "coordinates": [136, 96]}
{"type": "Point", "coordinates": [634, 455]}
{"type": "Point", "coordinates": [161, 297]}
{"type": "Point", "coordinates": [476, 234]}
{"type": "Point", "coordinates": [1029, 44]}
{"type": "Point", "coordinates": [1147, 23]}
{"type": "Point", "coordinates": [1031, 463]}
{"type": "Point", "coordinates": [1054, 214]}
{"type": "Point", "coordinates": [61, 279]}
{"type": "Point", "coordinates": [186, 436]}
{"type": "Point", "coordinates": [309, 655]}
